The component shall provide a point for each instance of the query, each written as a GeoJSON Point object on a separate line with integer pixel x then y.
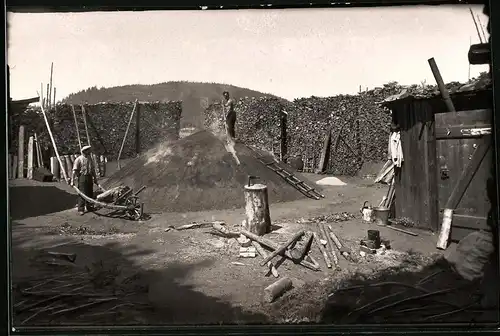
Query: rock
{"type": "Point", "coordinates": [244, 241]}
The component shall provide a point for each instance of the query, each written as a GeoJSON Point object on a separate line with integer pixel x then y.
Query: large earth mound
{"type": "Point", "coordinates": [199, 172]}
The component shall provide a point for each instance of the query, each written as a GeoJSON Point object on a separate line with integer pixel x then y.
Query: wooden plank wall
{"type": "Point", "coordinates": [416, 185]}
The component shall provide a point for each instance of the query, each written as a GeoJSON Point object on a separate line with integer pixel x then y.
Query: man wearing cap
{"type": "Point", "coordinates": [84, 170]}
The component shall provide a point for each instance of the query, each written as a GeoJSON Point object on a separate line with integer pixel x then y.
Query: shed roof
{"type": "Point", "coordinates": [430, 91]}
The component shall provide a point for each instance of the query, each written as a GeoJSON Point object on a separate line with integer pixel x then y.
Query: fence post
{"type": "Point", "coordinates": [30, 158]}
{"type": "Point", "coordinates": [20, 153]}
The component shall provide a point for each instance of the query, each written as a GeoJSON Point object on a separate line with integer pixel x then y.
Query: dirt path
{"type": "Point", "coordinates": [179, 268]}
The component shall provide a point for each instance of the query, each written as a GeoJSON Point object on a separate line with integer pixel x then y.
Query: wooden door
{"type": "Point", "coordinates": [464, 159]}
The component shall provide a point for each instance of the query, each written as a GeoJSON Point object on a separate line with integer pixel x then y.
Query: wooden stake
{"type": "Point", "coordinates": [14, 167]}
{"type": "Point", "coordinates": [283, 247]}
{"type": "Point", "coordinates": [84, 113]}
{"type": "Point", "coordinates": [38, 152]}
{"type": "Point", "coordinates": [20, 153]}
{"type": "Point", "coordinates": [323, 250]}
{"type": "Point", "coordinates": [53, 142]}
{"type": "Point", "coordinates": [263, 254]}
{"type": "Point", "coordinates": [76, 126]}
{"type": "Point", "coordinates": [54, 167]}
{"type": "Point", "coordinates": [30, 158]}
{"type": "Point", "coordinates": [275, 290]}
{"type": "Point", "coordinates": [126, 133]}
{"type": "Point", "coordinates": [54, 99]}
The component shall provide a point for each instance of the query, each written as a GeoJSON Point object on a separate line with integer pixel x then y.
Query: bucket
{"type": "Point", "coordinates": [381, 215]}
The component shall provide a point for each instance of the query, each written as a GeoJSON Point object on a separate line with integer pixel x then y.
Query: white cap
{"type": "Point", "coordinates": [85, 148]}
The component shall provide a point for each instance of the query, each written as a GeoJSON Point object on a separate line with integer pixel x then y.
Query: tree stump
{"type": "Point", "coordinates": [258, 219]}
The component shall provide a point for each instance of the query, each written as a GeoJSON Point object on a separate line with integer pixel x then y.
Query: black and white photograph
{"type": "Point", "coordinates": [251, 166]}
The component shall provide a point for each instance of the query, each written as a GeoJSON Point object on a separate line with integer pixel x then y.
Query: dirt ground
{"type": "Point", "coordinates": [189, 276]}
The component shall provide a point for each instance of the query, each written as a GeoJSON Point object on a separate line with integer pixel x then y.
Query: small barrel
{"type": "Point", "coordinates": [381, 215]}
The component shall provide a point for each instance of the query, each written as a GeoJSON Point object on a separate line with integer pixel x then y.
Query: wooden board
{"type": "Point", "coordinates": [20, 153]}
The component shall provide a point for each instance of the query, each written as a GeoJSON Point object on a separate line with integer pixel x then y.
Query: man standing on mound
{"type": "Point", "coordinates": [84, 170]}
{"type": "Point", "coordinates": [230, 114]}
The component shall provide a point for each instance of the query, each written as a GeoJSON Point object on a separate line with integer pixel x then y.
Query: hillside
{"type": "Point", "coordinates": [195, 97]}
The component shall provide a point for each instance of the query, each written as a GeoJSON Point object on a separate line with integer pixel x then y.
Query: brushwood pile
{"type": "Point", "coordinates": [107, 123]}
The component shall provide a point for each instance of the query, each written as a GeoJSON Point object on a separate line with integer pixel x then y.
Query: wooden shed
{"type": "Point", "coordinates": [447, 160]}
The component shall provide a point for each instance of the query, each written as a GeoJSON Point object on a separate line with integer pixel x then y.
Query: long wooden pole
{"type": "Point", "coordinates": [282, 248]}
{"type": "Point", "coordinates": [475, 24]}
{"type": "Point", "coordinates": [85, 123]}
{"type": "Point", "coordinates": [54, 99]}
{"type": "Point", "coordinates": [442, 88]}
{"type": "Point", "coordinates": [53, 143]}
{"type": "Point", "coordinates": [126, 133]}
{"type": "Point", "coordinates": [47, 97]}
{"type": "Point", "coordinates": [76, 125]}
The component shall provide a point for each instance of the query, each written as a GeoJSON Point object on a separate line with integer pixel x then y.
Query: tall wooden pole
{"type": "Point", "coordinates": [76, 125]}
{"type": "Point", "coordinates": [138, 128]}
{"type": "Point", "coordinates": [54, 98]}
{"type": "Point", "coordinates": [54, 144]}
{"type": "Point", "coordinates": [30, 157]}
{"type": "Point", "coordinates": [47, 99]}
{"type": "Point", "coordinates": [470, 43]}
{"type": "Point", "coordinates": [482, 28]}
{"type": "Point", "coordinates": [50, 85]}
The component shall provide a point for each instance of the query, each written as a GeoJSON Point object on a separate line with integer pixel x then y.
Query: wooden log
{"type": "Point", "coordinates": [283, 247]}
{"type": "Point", "coordinates": [263, 254]}
{"type": "Point", "coordinates": [14, 166]}
{"type": "Point", "coordinates": [20, 153]}
{"type": "Point", "coordinates": [30, 158]}
{"type": "Point", "coordinates": [258, 218]}
{"type": "Point", "coordinates": [330, 243]}
{"type": "Point", "coordinates": [272, 245]}
{"type": "Point", "coordinates": [301, 247]}
{"type": "Point", "coordinates": [54, 167]}
{"type": "Point", "coordinates": [323, 250]}
{"type": "Point", "coordinates": [272, 292]}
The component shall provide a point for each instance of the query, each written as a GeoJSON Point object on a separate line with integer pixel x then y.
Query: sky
{"type": "Point", "coordinates": [291, 53]}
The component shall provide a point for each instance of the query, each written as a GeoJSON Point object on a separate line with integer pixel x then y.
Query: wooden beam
{"type": "Point", "coordinates": [323, 161]}
{"type": "Point", "coordinates": [30, 158]}
{"type": "Point", "coordinates": [442, 88]}
{"type": "Point", "coordinates": [462, 132]}
{"type": "Point", "coordinates": [20, 153]}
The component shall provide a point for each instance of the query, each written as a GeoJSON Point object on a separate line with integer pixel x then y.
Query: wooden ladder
{"type": "Point", "coordinates": [82, 133]}
{"type": "Point", "coordinates": [289, 177]}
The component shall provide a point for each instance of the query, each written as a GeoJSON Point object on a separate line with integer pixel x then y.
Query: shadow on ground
{"type": "Point", "coordinates": [404, 294]}
{"type": "Point", "coordinates": [142, 296]}
{"type": "Point", "coordinates": [38, 200]}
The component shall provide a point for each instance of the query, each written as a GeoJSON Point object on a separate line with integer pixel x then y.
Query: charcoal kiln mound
{"type": "Point", "coordinates": [197, 173]}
